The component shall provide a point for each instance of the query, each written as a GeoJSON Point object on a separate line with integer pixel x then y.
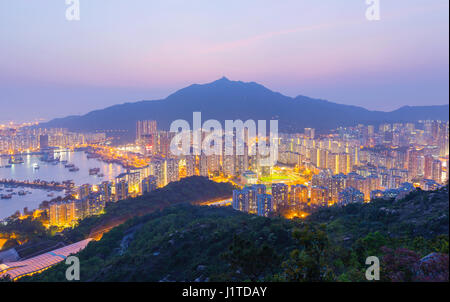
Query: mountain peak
{"type": "Point", "coordinates": [223, 80]}
{"type": "Point", "coordinates": [226, 99]}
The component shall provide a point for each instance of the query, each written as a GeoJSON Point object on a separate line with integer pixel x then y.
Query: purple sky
{"type": "Point", "coordinates": [124, 51]}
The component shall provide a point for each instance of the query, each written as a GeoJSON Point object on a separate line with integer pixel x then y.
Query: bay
{"type": "Point", "coordinates": [50, 172]}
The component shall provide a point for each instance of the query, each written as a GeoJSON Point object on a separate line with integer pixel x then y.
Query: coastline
{"type": "Point", "coordinates": [50, 178]}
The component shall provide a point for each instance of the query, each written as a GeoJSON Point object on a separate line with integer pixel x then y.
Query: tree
{"type": "Point", "coordinates": [369, 245]}
{"type": "Point", "coordinates": [251, 260]}
{"type": "Point", "coordinates": [309, 262]}
{"type": "Point", "coordinates": [399, 265]}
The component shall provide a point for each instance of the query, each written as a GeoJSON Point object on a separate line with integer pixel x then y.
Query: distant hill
{"type": "Point", "coordinates": [225, 99]}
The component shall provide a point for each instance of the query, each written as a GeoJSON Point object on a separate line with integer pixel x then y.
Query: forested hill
{"type": "Point", "coordinates": [194, 189]}
{"type": "Point", "coordinates": [193, 243]}
{"type": "Point", "coordinates": [421, 213]}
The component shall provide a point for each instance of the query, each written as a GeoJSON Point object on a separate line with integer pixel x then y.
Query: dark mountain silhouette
{"type": "Point", "coordinates": [225, 99]}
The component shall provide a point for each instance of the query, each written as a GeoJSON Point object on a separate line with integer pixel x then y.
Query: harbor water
{"type": "Point", "coordinates": [33, 168]}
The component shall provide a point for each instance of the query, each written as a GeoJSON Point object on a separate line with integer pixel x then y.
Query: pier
{"type": "Point", "coordinates": [38, 184]}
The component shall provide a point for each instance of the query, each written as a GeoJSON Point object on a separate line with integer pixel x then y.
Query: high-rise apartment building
{"type": "Point", "coordinates": [264, 205]}
{"type": "Point", "coordinates": [145, 128]}
{"type": "Point", "coordinates": [280, 195]}
{"type": "Point", "coordinates": [310, 133]}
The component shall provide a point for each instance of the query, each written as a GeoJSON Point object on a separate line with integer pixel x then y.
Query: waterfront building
{"type": "Point", "coordinates": [84, 191]}
{"type": "Point", "coordinates": [65, 213]}
{"type": "Point", "coordinates": [105, 188]}
{"type": "Point", "coordinates": [43, 142]}
{"type": "Point", "coordinates": [133, 177]}
{"type": "Point", "coordinates": [95, 204]}
{"type": "Point", "coordinates": [121, 190]}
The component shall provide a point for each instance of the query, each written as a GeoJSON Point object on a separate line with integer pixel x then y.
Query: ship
{"type": "Point", "coordinates": [6, 196]}
{"type": "Point", "coordinates": [36, 166]}
{"type": "Point", "coordinates": [92, 155]}
{"type": "Point", "coordinates": [69, 165]}
{"type": "Point", "coordinates": [22, 193]}
{"type": "Point", "coordinates": [15, 160]}
{"type": "Point", "coordinates": [74, 169]}
{"type": "Point", "coordinates": [94, 171]}
{"type": "Point", "coordinates": [47, 157]}
{"type": "Point", "coordinates": [69, 183]}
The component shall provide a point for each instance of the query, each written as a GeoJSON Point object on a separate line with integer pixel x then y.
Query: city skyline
{"type": "Point", "coordinates": [205, 143]}
{"type": "Point", "coordinates": [150, 50]}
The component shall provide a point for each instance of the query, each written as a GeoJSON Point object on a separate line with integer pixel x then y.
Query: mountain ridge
{"type": "Point", "coordinates": [225, 99]}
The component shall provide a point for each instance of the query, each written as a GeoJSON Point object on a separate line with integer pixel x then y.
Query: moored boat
{"type": "Point", "coordinates": [94, 171]}
{"type": "Point", "coordinates": [15, 160]}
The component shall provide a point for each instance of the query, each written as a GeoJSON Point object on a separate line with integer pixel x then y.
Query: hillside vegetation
{"type": "Point", "coordinates": [193, 243]}
{"type": "Point", "coordinates": [30, 231]}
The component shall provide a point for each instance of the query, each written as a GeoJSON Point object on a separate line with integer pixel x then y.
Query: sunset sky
{"type": "Point", "coordinates": [124, 51]}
